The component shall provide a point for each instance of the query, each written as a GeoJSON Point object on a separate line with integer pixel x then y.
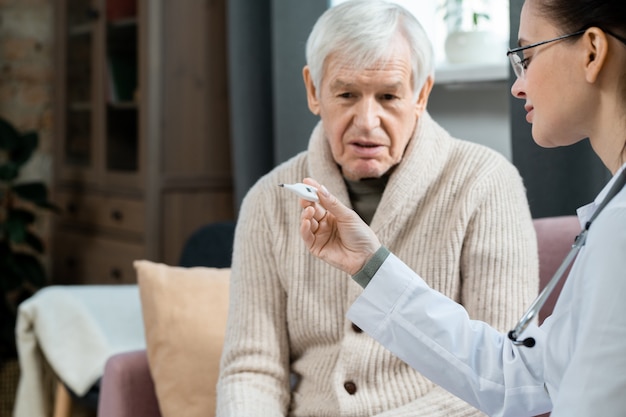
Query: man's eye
{"type": "Point", "coordinates": [346, 95]}
{"type": "Point", "coordinates": [388, 97]}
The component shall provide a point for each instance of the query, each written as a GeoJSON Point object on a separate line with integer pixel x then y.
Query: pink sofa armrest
{"type": "Point", "coordinates": [127, 389]}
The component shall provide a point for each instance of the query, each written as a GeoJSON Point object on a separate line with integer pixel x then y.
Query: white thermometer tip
{"type": "Point", "coordinates": [304, 191]}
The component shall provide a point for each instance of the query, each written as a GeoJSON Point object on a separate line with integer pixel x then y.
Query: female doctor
{"type": "Point", "coordinates": [571, 73]}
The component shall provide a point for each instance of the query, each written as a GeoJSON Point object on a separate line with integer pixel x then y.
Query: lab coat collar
{"type": "Point", "coordinates": [585, 212]}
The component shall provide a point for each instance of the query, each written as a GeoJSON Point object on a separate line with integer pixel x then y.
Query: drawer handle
{"type": "Point", "coordinates": [117, 215]}
{"type": "Point", "coordinates": [72, 208]}
{"type": "Point", "coordinates": [116, 273]}
{"type": "Point", "coordinates": [92, 13]}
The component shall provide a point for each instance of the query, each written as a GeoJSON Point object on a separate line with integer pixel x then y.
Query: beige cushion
{"type": "Point", "coordinates": [184, 312]}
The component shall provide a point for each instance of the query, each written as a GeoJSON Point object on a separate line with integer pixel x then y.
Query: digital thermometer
{"type": "Point", "coordinates": [304, 191]}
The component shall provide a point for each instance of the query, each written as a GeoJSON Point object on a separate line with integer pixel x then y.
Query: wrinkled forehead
{"type": "Point", "coordinates": [396, 56]}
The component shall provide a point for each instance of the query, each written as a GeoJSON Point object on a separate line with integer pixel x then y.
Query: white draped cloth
{"type": "Point", "coordinates": [75, 329]}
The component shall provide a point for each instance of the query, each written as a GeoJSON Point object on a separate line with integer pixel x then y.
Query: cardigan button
{"type": "Point", "coordinates": [356, 328]}
{"type": "Point", "coordinates": [350, 387]}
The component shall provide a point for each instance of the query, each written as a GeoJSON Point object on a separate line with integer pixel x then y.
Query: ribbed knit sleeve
{"type": "Point", "coordinates": [254, 378]}
{"type": "Point", "coordinates": [499, 262]}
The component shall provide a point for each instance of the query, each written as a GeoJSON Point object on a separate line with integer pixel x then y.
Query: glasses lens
{"type": "Point", "coordinates": [516, 63]}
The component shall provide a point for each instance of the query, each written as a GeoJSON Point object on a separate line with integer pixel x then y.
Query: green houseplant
{"type": "Point", "coordinates": [469, 40]}
{"type": "Point", "coordinates": [21, 270]}
{"type": "Point", "coordinates": [459, 15]}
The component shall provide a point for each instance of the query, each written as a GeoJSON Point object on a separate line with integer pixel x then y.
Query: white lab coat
{"type": "Point", "coordinates": [576, 368]}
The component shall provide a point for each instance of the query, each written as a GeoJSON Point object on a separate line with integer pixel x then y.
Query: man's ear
{"type": "Point", "coordinates": [422, 99]}
{"type": "Point", "coordinates": [596, 46]}
{"type": "Point", "coordinates": [311, 91]}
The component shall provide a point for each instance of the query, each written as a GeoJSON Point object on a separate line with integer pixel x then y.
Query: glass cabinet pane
{"type": "Point", "coordinates": [79, 85]}
{"type": "Point", "coordinates": [79, 67]}
{"type": "Point", "coordinates": [122, 138]}
{"type": "Point", "coordinates": [78, 138]}
{"type": "Point", "coordinates": [80, 12]}
{"type": "Point", "coordinates": [121, 58]}
{"type": "Point", "coordinates": [122, 145]}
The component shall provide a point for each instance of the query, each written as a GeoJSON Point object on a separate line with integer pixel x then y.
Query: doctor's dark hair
{"type": "Point", "coordinates": [573, 15]}
{"type": "Point", "coordinates": [359, 32]}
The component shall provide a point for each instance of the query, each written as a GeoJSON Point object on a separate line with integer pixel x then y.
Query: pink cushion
{"type": "Point", "coordinates": [127, 389]}
{"type": "Point", "coordinates": [555, 237]}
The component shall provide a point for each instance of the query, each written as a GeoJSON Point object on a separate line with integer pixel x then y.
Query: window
{"type": "Point", "coordinates": [431, 16]}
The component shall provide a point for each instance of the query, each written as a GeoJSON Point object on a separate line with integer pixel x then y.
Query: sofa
{"type": "Point", "coordinates": [128, 388]}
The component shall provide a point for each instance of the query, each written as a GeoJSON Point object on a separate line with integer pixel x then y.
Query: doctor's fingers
{"type": "Point", "coordinates": [315, 214]}
{"type": "Point", "coordinates": [319, 212]}
{"type": "Point", "coordinates": [308, 226]}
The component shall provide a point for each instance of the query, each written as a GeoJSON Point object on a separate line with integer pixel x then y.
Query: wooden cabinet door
{"type": "Point", "coordinates": [84, 259]}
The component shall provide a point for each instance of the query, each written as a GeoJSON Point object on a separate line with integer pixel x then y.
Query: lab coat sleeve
{"type": "Point", "coordinates": [434, 335]}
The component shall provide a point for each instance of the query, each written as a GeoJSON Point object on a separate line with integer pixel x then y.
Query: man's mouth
{"type": "Point", "coordinates": [366, 149]}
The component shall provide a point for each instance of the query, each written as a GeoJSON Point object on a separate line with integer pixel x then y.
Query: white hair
{"type": "Point", "coordinates": [360, 33]}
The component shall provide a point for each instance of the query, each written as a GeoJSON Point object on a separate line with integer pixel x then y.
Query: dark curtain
{"type": "Point", "coordinates": [558, 180]}
{"type": "Point", "coordinates": [270, 121]}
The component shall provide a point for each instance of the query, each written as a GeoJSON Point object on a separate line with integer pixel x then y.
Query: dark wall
{"type": "Point", "coordinates": [558, 180]}
{"type": "Point", "coordinates": [270, 121]}
{"type": "Point", "coordinates": [293, 21]}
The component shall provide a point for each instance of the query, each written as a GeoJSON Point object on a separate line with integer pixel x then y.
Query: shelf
{"type": "Point", "coordinates": [80, 106]}
{"type": "Point", "coordinates": [123, 22]}
{"type": "Point", "coordinates": [471, 73]}
{"type": "Point", "coordinates": [81, 29]}
{"type": "Point", "coordinates": [123, 105]}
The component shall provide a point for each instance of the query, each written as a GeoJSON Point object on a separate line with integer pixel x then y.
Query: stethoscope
{"type": "Point", "coordinates": [534, 308]}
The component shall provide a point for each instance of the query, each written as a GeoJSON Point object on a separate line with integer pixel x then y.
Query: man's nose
{"type": "Point", "coordinates": [368, 113]}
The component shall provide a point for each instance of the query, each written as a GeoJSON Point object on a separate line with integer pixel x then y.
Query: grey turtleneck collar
{"type": "Point", "coordinates": [365, 195]}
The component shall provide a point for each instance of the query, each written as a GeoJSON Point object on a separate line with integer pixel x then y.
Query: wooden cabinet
{"type": "Point", "coordinates": [142, 155]}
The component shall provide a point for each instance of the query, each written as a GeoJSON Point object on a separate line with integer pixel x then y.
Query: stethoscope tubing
{"type": "Point", "coordinates": [541, 299]}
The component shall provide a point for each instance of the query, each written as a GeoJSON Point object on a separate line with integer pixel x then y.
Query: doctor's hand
{"type": "Point", "coordinates": [334, 233]}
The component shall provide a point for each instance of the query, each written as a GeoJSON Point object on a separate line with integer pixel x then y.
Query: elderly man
{"type": "Point", "coordinates": [452, 210]}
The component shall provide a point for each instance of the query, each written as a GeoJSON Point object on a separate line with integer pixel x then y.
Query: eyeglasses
{"type": "Point", "coordinates": [519, 63]}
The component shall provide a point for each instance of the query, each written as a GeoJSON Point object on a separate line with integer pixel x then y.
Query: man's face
{"type": "Point", "coordinates": [369, 115]}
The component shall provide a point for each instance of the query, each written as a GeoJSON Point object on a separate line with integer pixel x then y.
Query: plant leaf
{"type": "Point", "coordinates": [49, 206]}
{"type": "Point", "coordinates": [9, 137]}
{"type": "Point", "coordinates": [24, 149]}
{"type": "Point", "coordinates": [477, 16]}
{"type": "Point", "coordinates": [31, 269]}
{"type": "Point", "coordinates": [16, 229]}
{"type": "Point", "coordinates": [34, 192]}
{"type": "Point", "coordinates": [16, 225]}
{"type": "Point", "coordinates": [33, 241]}
{"type": "Point", "coordinates": [9, 171]}
{"type": "Point", "coordinates": [8, 270]}
{"type": "Point", "coordinates": [25, 216]}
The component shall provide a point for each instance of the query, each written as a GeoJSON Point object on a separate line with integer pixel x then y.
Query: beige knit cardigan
{"type": "Point", "coordinates": [454, 211]}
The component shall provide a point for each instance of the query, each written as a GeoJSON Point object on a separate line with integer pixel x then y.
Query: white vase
{"type": "Point", "coordinates": [474, 47]}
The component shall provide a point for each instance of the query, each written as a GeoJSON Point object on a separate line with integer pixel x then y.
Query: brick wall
{"type": "Point", "coordinates": [26, 78]}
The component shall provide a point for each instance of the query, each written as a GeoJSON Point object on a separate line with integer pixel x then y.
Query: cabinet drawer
{"type": "Point", "coordinates": [101, 211]}
{"type": "Point", "coordinates": [81, 259]}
